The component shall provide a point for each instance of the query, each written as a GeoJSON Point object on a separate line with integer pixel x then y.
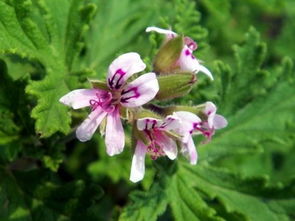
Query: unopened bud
{"type": "Point", "coordinates": [175, 85]}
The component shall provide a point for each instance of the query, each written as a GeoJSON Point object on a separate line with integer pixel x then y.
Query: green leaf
{"type": "Point", "coordinates": [118, 166]}
{"type": "Point", "coordinates": [50, 32]}
{"type": "Point", "coordinates": [252, 197]}
{"type": "Point", "coordinates": [264, 120]}
{"type": "Point", "coordinates": [37, 195]}
{"type": "Point", "coordinates": [8, 128]}
{"type": "Point", "coordinates": [116, 27]}
{"type": "Point", "coordinates": [146, 205]}
{"type": "Point", "coordinates": [173, 191]}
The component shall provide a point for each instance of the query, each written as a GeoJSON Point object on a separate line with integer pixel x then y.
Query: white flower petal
{"type": "Point", "coordinates": [122, 68]}
{"type": "Point", "coordinates": [189, 151]}
{"type": "Point", "coordinates": [210, 111]}
{"type": "Point", "coordinates": [148, 123]}
{"type": "Point", "coordinates": [169, 34]}
{"type": "Point", "coordinates": [188, 62]}
{"type": "Point", "coordinates": [187, 117]}
{"type": "Point", "coordinates": [188, 122]}
{"type": "Point", "coordinates": [140, 91]}
{"type": "Point", "coordinates": [167, 144]}
{"type": "Point", "coordinates": [205, 71]}
{"type": "Point", "coordinates": [79, 98]}
{"type": "Point", "coordinates": [138, 162]}
{"type": "Point", "coordinates": [115, 138]}
{"type": "Point", "coordinates": [219, 122]}
{"type": "Point", "coordinates": [86, 130]}
{"type": "Point", "coordinates": [170, 122]}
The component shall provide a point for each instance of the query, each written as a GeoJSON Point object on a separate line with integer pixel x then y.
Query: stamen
{"type": "Point", "coordinates": [104, 101]}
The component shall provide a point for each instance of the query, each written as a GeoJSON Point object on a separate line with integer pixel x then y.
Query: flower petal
{"type": "Point", "coordinates": [205, 71]}
{"type": "Point", "coordinates": [188, 149]}
{"type": "Point", "coordinates": [190, 43]}
{"type": "Point", "coordinates": [122, 68]}
{"type": "Point", "coordinates": [169, 123]}
{"type": "Point", "coordinates": [79, 98]}
{"type": "Point", "coordinates": [188, 62]}
{"type": "Point", "coordinates": [138, 165]}
{"type": "Point", "coordinates": [148, 123]}
{"type": "Point", "coordinates": [187, 117]}
{"type": "Point", "coordinates": [86, 130]}
{"type": "Point", "coordinates": [115, 138]}
{"type": "Point", "coordinates": [167, 144]}
{"type": "Point", "coordinates": [210, 110]}
{"type": "Point", "coordinates": [169, 34]}
{"type": "Point", "coordinates": [140, 91]}
{"type": "Point", "coordinates": [219, 122]}
{"type": "Point", "coordinates": [188, 122]}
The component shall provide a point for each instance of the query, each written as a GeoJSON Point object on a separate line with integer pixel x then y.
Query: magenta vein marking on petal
{"type": "Point", "coordinates": [136, 94]}
{"type": "Point", "coordinates": [121, 74]}
{"type": "Point", "coordinates": [196, 125]}
{"type": "Point", "coordinates": [172, 35]}
{"type": "Point", "coordinates": [187, 52]}
{"type": "Point", "coordinates": [154, 123]}
{"type": "Point", "coordinates": [169, 121]}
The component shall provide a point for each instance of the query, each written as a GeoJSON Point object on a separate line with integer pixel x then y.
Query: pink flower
{"type": "Point", "coordinates": [186, 61]}
{"type": "Point", "coordinates": [160, 143]}
{"type": "Point", "coordinates": [191, 124]}
{"type": "Point", "coordinates": [214, 121]}
{"type": "Point", "coordinates": [188, 124]}
{"type": "Point", "coordinates": [107, 103]}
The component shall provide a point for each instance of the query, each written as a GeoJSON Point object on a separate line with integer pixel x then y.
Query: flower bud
{"type": "Point", "coordinates": [166, 59]}
{"type": "Point", "coordinates": [175, 85]}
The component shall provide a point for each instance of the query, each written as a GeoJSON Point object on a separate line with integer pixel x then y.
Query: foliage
{"type": "Point", "coordinates": [49, 47]}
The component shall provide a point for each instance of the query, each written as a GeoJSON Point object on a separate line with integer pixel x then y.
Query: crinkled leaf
{"type": "Point", "coordinates": [50, 32]}
{"type": "Point", "coordinates": [36, 195]}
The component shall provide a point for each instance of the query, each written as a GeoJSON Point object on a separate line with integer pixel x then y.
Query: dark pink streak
{"type": "Point", "coordinates": [115, 83]}
{"type": "Point", "coordinates": [136, 94]}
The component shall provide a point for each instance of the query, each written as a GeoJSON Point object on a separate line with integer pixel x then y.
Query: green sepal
{"type": "Point", "coordinates": [102, 126]}
{"type": "Point", "coordinates": [124, 113]}
{"type": "Point", "coordinates": [198, 110]}
{"type": "Point", "coordinates": [175, 85]}
{"type": "Point", "coordinates": [147, 113]}
{"type": "Point", "coordinates": [166, 59]}
{"type": "Point", "coordinates": [99, 84]}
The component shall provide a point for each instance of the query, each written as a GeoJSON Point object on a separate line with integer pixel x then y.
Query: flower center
{"type": "Point", "coordinates": [203, 127]}
{"type": "Point", "coordinates": [154, 149]}
{"type": "Point", "coordinates": [104, 101]}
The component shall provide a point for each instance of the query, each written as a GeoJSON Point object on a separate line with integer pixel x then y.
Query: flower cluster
{"type": "Point", "coordinates": [157, 131]}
